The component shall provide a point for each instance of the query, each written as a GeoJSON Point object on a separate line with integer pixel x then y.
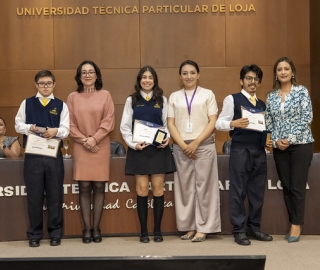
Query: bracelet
{"type": "Point", "coordinates": [94, 138]}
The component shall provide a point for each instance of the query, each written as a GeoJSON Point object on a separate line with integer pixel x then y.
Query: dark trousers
{"type": "Point", "coordinates": [248, 173]}
{"type": "Point", "coordinates": [293, 166]}
{"type": "Point", "coordinates": [43, 177]}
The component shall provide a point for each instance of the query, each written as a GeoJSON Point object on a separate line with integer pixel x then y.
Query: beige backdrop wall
{"type": "Point", "coordinates": [220, 42]}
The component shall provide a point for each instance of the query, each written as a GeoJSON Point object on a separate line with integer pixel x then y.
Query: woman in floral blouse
{"type": "Point", "coordinates": [288, 117]}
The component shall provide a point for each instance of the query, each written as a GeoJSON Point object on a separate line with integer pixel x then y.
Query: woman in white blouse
{"type": "Point", "coordinates": [192, 116]}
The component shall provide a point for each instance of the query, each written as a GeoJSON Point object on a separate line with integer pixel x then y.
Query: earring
{"type": "Point", "coordinates": [292, 76]}
{"type": "Point", "coordinates": [276, 78]}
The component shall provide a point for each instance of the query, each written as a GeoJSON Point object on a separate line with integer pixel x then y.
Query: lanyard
{"type": "Point", "coordinates": [189, 105]}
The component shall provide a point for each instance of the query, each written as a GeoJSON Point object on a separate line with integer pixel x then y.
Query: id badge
{"type": "Point", "coordinates": [189, 126]}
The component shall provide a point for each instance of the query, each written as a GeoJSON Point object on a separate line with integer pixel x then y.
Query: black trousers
{"type": "Point", "coordinates": [248, 174]}
{"type": "Point", "coordinates": [293, 166]}
{"type": "Point", "coordinates": [43, 177]}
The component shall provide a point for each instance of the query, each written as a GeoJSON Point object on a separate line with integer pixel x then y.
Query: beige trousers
{"type": "Point", "coordinates": [196, 189]}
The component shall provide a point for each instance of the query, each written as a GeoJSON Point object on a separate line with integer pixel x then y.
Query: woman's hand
{"type": "Point", "coordinates": [141, 145]}
{"type": "Point", "coordinates": [94, 149]}
{"type": "Point", "coordinates": [191, 149]}
{"type": "Point", "coordinates": [90, 144]}
{"type": "Point", "coordinates": [282, 144]}
{"type": "Point", "coordinates": [164, 143]}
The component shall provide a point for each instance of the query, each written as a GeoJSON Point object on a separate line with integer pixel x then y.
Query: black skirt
{"type": "Point", "coordinates": [151, 160]}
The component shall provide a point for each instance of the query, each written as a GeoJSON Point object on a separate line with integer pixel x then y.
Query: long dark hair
{"type": "Point", "coordinates": [157, 91]}
{"type": "Point", "coordinates": [276, 83]}
{"type": "Point", "coordinates": [98, 84]}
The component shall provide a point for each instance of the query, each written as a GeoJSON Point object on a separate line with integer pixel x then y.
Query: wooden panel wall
{"type": "Point", "coordinates": [315, 69]}
{"type": "Point", "coordinates": [221, 43]}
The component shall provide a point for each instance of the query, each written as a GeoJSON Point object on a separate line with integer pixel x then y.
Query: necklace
{"type": "Point", "coordinates": [283, 94]}
{"type": "Point", "coordinates": [2, 139]}
{"type": "Point", "coordinates": [89, 90]}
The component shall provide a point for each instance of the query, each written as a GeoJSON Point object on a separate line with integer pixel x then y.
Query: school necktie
{"type": "Point", "coordinates": [147, 98]}
{"type": "Point", "coordinates": [44, 101]}
{"type": "Point", "coordinates": [253, 100]}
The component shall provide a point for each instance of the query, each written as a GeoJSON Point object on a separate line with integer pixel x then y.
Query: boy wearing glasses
{"type": "Point", "coordinates": [45, 114]}
{"type": "Point", "coordinates": [247, 164]}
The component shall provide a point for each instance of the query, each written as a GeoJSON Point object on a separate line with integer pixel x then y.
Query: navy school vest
{"type": "Point", "coordinates": [244, 136]}
{"type": "Point", "coordinates": [149, 111]}
{"type": "Point", "coordinates": [48, 116]}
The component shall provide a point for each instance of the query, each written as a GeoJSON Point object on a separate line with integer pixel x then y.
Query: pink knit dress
{"type": "Point", "coordinates": [91, 114]}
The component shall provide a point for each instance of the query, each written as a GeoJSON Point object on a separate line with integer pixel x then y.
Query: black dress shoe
{"type": "Point", "coordinates": [157, 237]}
{"type": "Point", "coordinates": [96, 236]}
{"type": "Point", "coordinates": [241, 239]}
{"type": "Point", "coordinates": [260, 236]}
{"type": "Point", "coordinates": [86, 236]}
{"type": "Point", "coordinates": [144, 238]}
{"type": "Point", "coordinates": [54, 241]}
{"type": "Point", "coordinates": [34, 242]}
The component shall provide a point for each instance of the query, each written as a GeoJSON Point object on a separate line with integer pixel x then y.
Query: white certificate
{"type": "Point", "coordinates": [144, 131]}
{"type": "Point", "coordinates": [256, 118]}
{"type": "Point", "coordinates": [37, 145]}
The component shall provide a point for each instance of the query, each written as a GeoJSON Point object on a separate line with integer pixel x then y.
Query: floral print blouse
{"type": "Point", "coordinates": [8, 141]}
{"type": "Point", "coordinates": [293, 123]}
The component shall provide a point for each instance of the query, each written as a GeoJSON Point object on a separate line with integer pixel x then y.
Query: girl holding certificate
{"type": "Point", "coordinates": [288, 117]}
{"type": "Point", "coordinates": [192, 116]}
{"type": "Point", "coordinates": [144, 160]}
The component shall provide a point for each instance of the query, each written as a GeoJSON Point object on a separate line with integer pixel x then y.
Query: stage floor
{"type": "Point", "coordinates": [303, 255]}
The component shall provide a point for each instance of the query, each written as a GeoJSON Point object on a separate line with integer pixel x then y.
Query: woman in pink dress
{"type": "Point", "coordinates": [91, 121]}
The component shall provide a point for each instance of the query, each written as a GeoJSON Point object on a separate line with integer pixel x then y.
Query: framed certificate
{"type": "Point", "coordinates": [256, 118]}
{"type": "Point", "coordinates": [144, 131]}
{"type": "Point", "coordinates": [159, 137]}
{"type": "Point", "coordinates": [37, 145]}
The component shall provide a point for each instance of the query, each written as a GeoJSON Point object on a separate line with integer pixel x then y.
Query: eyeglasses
{"type": "Point", "coordinates": [47, 84]}
{"type": "Point", "coordinates": [250, 79]}
{"type": "Point", "coordinates": [90, 73]}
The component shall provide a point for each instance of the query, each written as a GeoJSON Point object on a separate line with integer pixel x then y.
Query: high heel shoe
{"type": "Point", "coordinates": [96, 236]}
{"type": "Point", "coordinates": [86, 236]}
{"type": "Point", "coordinates": [292, 239]}
{"type": "Point", "coordinates": [199, 238]}
{"type": "Point", "coordinates": [286, 237]}
{"type": "Point", "coordinates": [188, 236]}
